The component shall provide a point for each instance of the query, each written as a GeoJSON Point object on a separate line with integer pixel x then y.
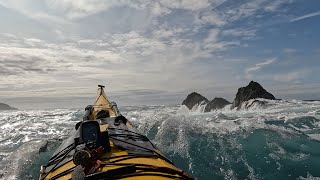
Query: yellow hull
{"type": "Point", "coordinates": [118, 159]}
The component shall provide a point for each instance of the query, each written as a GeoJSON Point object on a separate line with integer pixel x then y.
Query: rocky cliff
{"type": "Point", "coordinates": [216, 103]}
{"type": "Point", "coordinates": [197, 99]}
{"type": "Point", "coordinates": [253, 91]}
{"type": "Point", "coordinates": [193, 99]}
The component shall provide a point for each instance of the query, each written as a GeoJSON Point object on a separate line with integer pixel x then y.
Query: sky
{"type": "Point", "coordinates": [53, 53]}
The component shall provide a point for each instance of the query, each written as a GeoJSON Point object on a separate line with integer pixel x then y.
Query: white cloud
{"type": "Point", "coordinates": [124, 58]}
{"type": "Point", "coordinates": [168, 32]}
{"type": "Point", "coordinates": [82, 8]}
{"type": "Point", "coordinates": [185, 4]}
{"type": "Point", "coordinates": [158, 45]}
{"type": "Point", "coordinates": [213, 36]}
{"type": "Point", "coordinates": [273, 6]}
{"type": "Point", "coordinates": [210, 17]}
{"type": "Point", "coordinates": [48, 18]}
{"type": "Point", "coordinates": [36, 12]}
{"type": "Point", "coordinates": [305, 16]}
{"type": "Point", "coordinates": [65, 16]}
{"type": "Point", "coordinates": [159, 10]}
{"type": "Point", "coordinates": [251, 8]}
{"type": "Point", "coordinates": [212, 43]}
{"type": "Point", "coordinates": [251, 70]}
{"type": "Point", "coordinates": [291, 77]}
{"type": "Point", "coordinates": [243, 10]}
{"type": "Point", "coordinates": [242, 33]}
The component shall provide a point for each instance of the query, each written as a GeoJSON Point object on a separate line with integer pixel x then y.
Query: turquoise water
{"type": "Point", "coordinates": [277, 142]}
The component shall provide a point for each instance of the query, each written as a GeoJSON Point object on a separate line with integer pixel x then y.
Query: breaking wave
{"type": "Point", "coordinates": [273, 140]}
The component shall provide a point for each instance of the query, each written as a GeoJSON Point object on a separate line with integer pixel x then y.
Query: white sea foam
{"type": "Point", "coordinates": [199, 108]}
{"type": "Point", "coordinates": [274, 110]}
{"type": "Point", "coordinates": [23, 132]}
{"type": "Point", "coordinates": [178, 123]}
{"type": "Point", "coordinates": [172, 128]}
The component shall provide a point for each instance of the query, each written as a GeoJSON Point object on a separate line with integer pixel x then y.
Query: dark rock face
{"type": "Point", "coordinates": [252, 91]}
{"type": "Point", "coordinates": [196, 98]}
{"type": "Point", "coordinates": [193, 99]}
{"type": "Point", "coordinates": [44, 147]}
{"type": "Point", "coordinates": [50, 144]}
{"type": "Point", "coordinates": [216, 103]}
{"type": "Point", "coordinates": [6, 107]}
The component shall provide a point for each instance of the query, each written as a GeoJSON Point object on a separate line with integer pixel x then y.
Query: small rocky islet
{"type": "Point", "coordinates": [252, 91]}
{"type": "Point", "coordinates": [4, 106]}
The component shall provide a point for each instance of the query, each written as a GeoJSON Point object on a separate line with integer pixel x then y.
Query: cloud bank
{"type": "Point", "coordinates": [65, 48]}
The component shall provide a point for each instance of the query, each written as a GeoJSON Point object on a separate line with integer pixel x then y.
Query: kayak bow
{"type": "Point", "coordinates": [106, 146]}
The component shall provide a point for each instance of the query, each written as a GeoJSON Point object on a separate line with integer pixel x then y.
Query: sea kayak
{"type": "Point", "coordinates": [105, 145]}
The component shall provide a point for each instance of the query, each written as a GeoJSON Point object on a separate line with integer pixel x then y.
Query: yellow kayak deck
{"type": "Point", "coordinates": [131, 156]}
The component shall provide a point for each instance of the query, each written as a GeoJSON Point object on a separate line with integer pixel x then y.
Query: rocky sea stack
{"type": "Point", "coordinates": [216, 103]}
{"type": "Point", "coordinates": [253, 91]}
{"type": "Point", "coordinates": [6, 107]}
{"type": "Point", "coordinates": [197, 99]}
{"type": "Point", "coordinates": [193, 99]}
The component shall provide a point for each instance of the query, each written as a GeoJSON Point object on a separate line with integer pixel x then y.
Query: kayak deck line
{"type": "Point", "coordinates": [105, 145]}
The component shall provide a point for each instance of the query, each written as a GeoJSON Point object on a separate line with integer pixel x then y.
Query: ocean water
{"type": "Point", "coordinates": [277, 140]}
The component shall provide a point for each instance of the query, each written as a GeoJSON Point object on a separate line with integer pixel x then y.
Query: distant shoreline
{"type": "Point", "coordinates": [4, 107]}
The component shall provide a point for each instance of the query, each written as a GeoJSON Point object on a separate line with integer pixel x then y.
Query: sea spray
{"type": "Point", "coordinates": [278, 141]}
